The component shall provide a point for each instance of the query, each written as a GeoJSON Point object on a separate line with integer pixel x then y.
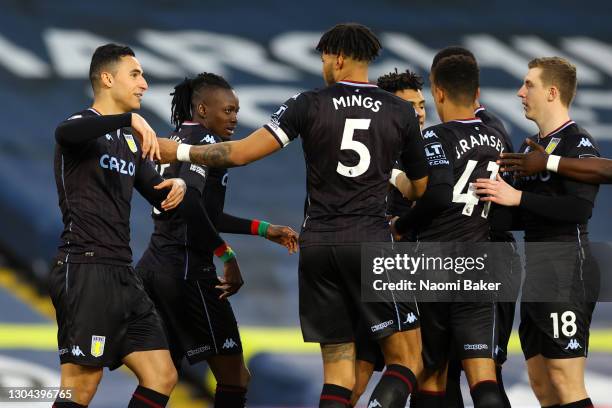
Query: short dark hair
{"type": "Point", "coordinates": [558, 72]}
{"type": "Point", "coordinates": [352, 40]}
{"type": "Point", "coordinates": [458, 76]}
{"type": "Point", "coordinates": [103, 56]}
{"type": "Point", "coordinates": [449, 51]}
{"type": "Point", "coordinates": [184, 93]}
{"type": "Point", "coordinates": [395, 81]}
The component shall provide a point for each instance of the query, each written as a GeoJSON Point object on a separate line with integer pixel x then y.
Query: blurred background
{"type": "Point", "coordinates": [266, 50]}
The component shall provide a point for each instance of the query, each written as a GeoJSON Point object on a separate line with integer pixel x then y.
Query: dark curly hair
{"type": "Point", "coordinates": [396, 81]}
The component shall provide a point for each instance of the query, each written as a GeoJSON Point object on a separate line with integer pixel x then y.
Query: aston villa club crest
{"type": "Point", "coordinates": [131, 143]}
{"type": "Point", "coordinates": [97, 342]}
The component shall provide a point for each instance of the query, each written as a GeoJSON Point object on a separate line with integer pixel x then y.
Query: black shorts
{"type": "Point", "coordinates": [555, 330]}
{"type": "Point", "coordinates": [103, 314]}
{"type": "Point", "coordinates": [331, 309]}
{"type": "Point", "coordinates": [504, 321]}
{"type": "Point", "coordinates": [458, 330]}
{"type": "Point", "coordinates": [198, 324]}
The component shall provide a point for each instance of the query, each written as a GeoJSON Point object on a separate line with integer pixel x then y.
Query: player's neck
{"type": "Point", "coordinates": [107, 106]}
{"type": "Point", "coordinates": [553, 121]}
{"type": "Point", "coordinates": [355, 74]}
{"type": "Point", "coordinates": [458, 113]}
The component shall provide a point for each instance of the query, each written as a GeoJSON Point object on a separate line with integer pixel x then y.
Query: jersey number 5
{"type": "Point", "coordinates": [349, 144]}
{"type": "Point", "coordinates": [470, 198]}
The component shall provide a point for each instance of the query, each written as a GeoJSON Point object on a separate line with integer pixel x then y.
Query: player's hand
{"type": "Point", "coordinates": [231, 281]}
{"type": "Point", "coordinates": [147, 137]}
{"type": "Point", "coordinates": [498, 191]}
{"type": "Point", "coordinates": [176, 194]}
{"type": "Point", "coordinates": [167, 150]}
{"type": "Point", "coordinates": [284, 236]}
{"type": "Point", "coordinates": [396, 235]}
{"type": "Point", "coordinates": [525, 164]}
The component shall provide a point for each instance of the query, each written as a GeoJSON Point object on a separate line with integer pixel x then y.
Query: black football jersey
{"type": "Point", "coordinates": [352, 134]}
{"type": "Point", "coordinates": [94, 183]}
{"type": "Point", "coordinates": [169, 248]}
{"type": "Point", "coordinates": [569, 140]}
{"type": "Point", "coordinates": [459, 152]}
{"type": "Point", "coordinates": [493, 121]}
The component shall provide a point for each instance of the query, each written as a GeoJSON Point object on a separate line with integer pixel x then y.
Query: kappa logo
{"type": "Point", "coordinates": [208, 139]}
{"type": "Point", "coordinates": [585, 142]}
{"type": "Point", "coordinates": [229, 343]}
{"type": "Point", "coordinates": [374, 404]}
{"type": "Point", "coordinates": [77, 352]}
{"type": "Point", "coordinates": [410, 318]}
{"type": "Point", "coordinates": [97, 345]}
{"type": "Point", "coordinates": [573, 345]}
{"type": "Point", "coordinates": [429, 134]}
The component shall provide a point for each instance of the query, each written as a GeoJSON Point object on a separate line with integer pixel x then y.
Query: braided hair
{"type": "Point", "coordinates": [351, 39]}
{"type": "Point", "coordinates": [183, 97]}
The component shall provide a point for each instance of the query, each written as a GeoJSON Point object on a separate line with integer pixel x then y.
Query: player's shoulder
{"type": "Point", "coordinates": [573, 131]}
{"type": "Point", "coordinates": [441, 131]}
{"type": "Point", "coordinates": [82, 114]}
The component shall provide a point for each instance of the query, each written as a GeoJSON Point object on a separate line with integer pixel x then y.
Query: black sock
{"type": "Point", "coordinates": [335, 396]}
{"type": "Point", "coordinates": [552, 406]}
{"type": "Point", "coordinates": [230, 396]}
{"type": "Point", "coordinates": [454, 399]}
{"type": "Point", "coordinates": [585, 403]}
{"type": "Point", "coordinates": [428, 399]}
{"type": "Point", "coordinates": [485, 394]}
{"type": "Point", "coordinates": [502, 390]}
{"type": "Point", "coordinates": [394, 387]}
{"type": "Point", "coordinates": [67, 404]}
{"type": "Point", "coordinates": [147, 398]}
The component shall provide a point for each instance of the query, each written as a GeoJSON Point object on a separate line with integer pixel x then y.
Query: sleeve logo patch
{"type": "Point", "coordinates": [278, 114]}
{"type": "Point", "coordinates": [198, 169]}
{"type": "Point", "coordinates": [585, 142]}
{"type": "Point", "coordinates": [434, 153]}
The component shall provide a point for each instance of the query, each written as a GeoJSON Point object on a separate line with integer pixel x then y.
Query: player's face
{"type": "Point", "coordinates": [129, 84]}
{"type": "Point", "coordinates": [221, 112]}
{"type": "Point", "coordinates": [533, 94]}
{"type": "Point", "coordinates": [418, 102]}
{"type": "Point", "coordinates": [329, 62]}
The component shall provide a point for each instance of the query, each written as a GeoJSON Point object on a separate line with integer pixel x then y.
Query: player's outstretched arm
{"type": "Point", "coordinates": [592, 170]}
{"type": "Point", "coordinates": [255, 146]}
{"type": "Point", "coordinates": [280, 234]}
{"type": "Point", "coordinates": [283, 235]}
{"type": "Point", "coordinates": [410, 189]}
{"type": "Point", "coordinates": [563, 208]}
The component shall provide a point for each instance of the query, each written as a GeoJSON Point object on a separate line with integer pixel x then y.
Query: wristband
{"type": "Point", "coordinates": [394, 174]}
{"type": "Point", "coordinates": [259, 228]}
{"type": "Point", "coordinates": [182, 153]}
{"type": "Point", "coordinates": [224, 253]}
{"type": "Point", "coordinates": [552, 164]}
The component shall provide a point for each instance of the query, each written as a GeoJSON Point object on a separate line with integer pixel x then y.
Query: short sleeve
{"type": "Point", "coordinates": [437, 154]}
{"type": "Point", "coordinates": [290, 119]}
{"type": "Point", "coordinates": [580, 146]}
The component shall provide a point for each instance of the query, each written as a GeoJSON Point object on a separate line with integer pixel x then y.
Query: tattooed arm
{"type": "Point", "coordinates": [257, 145]}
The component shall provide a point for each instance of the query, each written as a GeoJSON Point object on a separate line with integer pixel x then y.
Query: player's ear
{"type": "Point", "coordinates": [106, 79]}
{"type": "Point", "coordinates": [553, 93]}
{"type": "Point", "coordinates": [201, 109]}
{"type": "Point", "coordinates": [339, 61]}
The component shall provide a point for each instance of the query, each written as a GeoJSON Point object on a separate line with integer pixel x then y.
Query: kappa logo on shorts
{"type": "Point", "coordinates": [97, 345]}
{"type": "Point", "coordinates": [229, 343]}
{"type": "Point", "coordinates": [374, 404]}
{"type": "Point", "coordinates": [573, 345]}
{"type": "Point", "coordinates": [77, 352]}
{"type": "Point", "coordinates": [410, 318]}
